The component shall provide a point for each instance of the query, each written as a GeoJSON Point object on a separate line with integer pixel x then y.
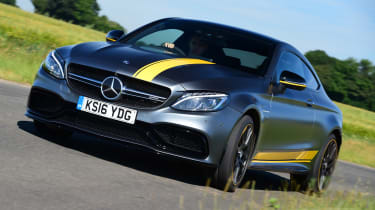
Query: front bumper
{"type": "Point", "coordinates": [199, 137]}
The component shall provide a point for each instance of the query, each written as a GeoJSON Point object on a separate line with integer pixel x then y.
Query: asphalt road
{"type": "Point", "coordinates": [86, 172]}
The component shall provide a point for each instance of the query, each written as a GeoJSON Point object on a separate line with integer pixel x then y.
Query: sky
{"type": "Point", "coordinates": [342, 28]}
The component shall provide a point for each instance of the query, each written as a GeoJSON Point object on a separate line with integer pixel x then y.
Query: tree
{"type": "Point", "coordinates": [80, 12]}
{"type": "Point", "coordinates": [102, 23]}
{"type": "Point", "coordinates": [319, 57]}
{"type": "Point", "coordinates": [366, 67]}
{"type": "Point", "coordinates": [10, 2]}
{"type": "Point", "coordinates": [347, 81]}
{"type": "Point", "coordinates": [40, 6]}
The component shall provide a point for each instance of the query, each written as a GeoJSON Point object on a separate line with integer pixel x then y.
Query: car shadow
{"type": "Point", "coordinates": [152, 163]}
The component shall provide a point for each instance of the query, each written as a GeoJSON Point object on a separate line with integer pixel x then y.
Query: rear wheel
{"type": "Point", "coordinates": [320, 176]}
{"type": "Point", "coordinates": [241, 144]}
{"type": "Point", "coordinates": [52, 130]}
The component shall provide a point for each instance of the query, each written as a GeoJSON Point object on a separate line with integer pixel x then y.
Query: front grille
{"type": "Point", "coordinates": [182, 138]}
{"type": "Point", "coordinates": [163, 137]}
{"type": "Point", "coordinates": [137, 94]}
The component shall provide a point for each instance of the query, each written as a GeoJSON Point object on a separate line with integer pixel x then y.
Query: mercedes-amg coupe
{"type": "Point", "coordinates": [216, 95]}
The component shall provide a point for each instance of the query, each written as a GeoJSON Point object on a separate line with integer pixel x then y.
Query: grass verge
{"type": "Point", "coordinates": [250, 199]}
{"type": "Point", "coordinates": [26, 38]}
{"type": "Point", "coordinates": [359, 135]}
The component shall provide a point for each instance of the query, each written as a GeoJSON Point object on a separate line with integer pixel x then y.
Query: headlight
{"type": "Point", "coordinates": [202, 101]}
{"type": "Point", "coordinates": [54, 65]}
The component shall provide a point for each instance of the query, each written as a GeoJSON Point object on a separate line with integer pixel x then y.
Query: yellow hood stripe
{"type": "Point", "coordinates": [150, 71]}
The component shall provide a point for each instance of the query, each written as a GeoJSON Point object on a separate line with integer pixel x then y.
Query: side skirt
{"type": "Point", "coordinates": [286, 161]}
{"type": "Point", "coordinates": [298, 168]}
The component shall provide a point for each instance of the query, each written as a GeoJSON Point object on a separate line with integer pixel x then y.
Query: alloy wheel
{"type": "Point", "coordinates": [244, 151]}
{"type": "Point", "coordinates": [327, 165]}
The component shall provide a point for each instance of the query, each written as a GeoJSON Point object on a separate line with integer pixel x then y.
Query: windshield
{"type": "Point", "coordinates": [236, 49]}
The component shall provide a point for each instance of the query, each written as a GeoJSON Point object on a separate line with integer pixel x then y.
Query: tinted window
{"type": "Point", "coordinates": [159, 37]}
{"type": "Point", "coordinates": [292, 63]}
{"type": "Point", "coordinates": [246, 58]}
{"type": "Point", "coordinates": [310, 79]}
{"type": "Point", "coordinates": [225, 46]}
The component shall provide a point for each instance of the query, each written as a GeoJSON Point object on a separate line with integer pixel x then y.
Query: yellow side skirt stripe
{"type": "Point", "coordinates": [281, 161]}
{"type": "Point", "coordinates": [297, 156]}
{"type": "Point", "coordinates": [150, 71]}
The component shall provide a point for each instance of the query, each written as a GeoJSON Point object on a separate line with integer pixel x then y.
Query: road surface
{"type": "Point", "coordinates": [87, 172]}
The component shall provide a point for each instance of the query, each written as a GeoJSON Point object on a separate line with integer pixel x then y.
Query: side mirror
{"type": "Point", "coordinates": [114, 35]}
{"type": "Point", "coordinates": [292, 80]}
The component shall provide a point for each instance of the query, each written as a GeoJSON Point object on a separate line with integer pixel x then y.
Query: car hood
{"type": "Point", "coordinates": [127, 60]}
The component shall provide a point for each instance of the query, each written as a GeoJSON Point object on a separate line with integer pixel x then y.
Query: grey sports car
{"type": "Point", "coordinates": [212, 94]}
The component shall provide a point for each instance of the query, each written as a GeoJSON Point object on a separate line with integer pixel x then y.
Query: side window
{"type": "Point", "coordinates": [159, 37]}
{"type": "Point", "coordinates": [310, 79]}
{"type": "Point", "coordinates": [246, 58]}
{"type": "Point", "coordinates": [292, 63]}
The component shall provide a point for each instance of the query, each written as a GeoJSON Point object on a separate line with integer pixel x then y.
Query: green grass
{"type": "Point", "coordinates": [251, 199]}
{"type": "Point", "coordinates": [327, 201]}
{"type": "Point", "coordinates": [26, 38]}
{"type": "Point", "coordinates": [359, 135]}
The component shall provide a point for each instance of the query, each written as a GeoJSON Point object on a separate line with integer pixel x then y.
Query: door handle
{"type": "Point", "coordinates": [309, 102]}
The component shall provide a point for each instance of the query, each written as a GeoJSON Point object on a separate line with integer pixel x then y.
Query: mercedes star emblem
{"type": "Point", "coordinates": [111, 88]}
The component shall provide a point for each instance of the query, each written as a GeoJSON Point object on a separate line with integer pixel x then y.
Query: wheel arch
{"type": "Point", "coordinates": [337, 133]}
{"type": "Point", "coordinates": [254, 114]}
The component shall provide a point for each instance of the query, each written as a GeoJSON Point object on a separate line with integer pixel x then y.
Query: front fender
{"type": "Point", "coordinates": [256, 106]}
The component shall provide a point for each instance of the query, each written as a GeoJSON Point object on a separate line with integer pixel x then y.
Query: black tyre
{"type": "Point", "coordinates": [51, 130]}
{"type": "Point", "coordinates": [238, 154]}
{"type": "Point", "coordinates": [319, 178]}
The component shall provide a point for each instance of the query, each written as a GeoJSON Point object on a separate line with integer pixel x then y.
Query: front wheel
{"type": "Point", "coordinates": [319, 178]}
{"type": "Point", "coordinates": [238, 154]}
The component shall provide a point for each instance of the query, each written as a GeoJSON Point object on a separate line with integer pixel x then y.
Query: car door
{"type": "Point", "coordinates": [291, 117]}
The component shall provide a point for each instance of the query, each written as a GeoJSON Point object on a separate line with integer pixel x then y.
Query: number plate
{"type": "Point", "coordinates": [106, 110]}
